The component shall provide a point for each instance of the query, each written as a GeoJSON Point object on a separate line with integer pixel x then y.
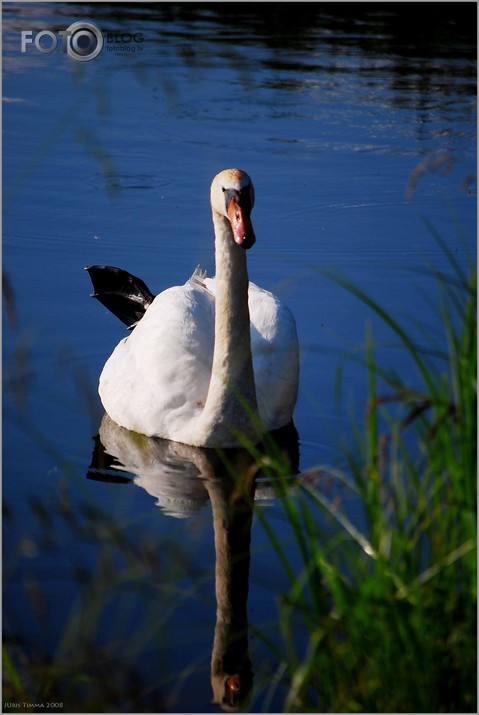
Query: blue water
{"type": "Point", "coordinates": [109, 161]}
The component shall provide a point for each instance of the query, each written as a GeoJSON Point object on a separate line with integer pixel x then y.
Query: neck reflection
{"type": "Point", "coordinates": [232, 505]}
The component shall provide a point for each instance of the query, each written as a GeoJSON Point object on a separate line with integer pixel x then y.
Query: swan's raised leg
{"type": "Point", "coordinates": [123, 294]}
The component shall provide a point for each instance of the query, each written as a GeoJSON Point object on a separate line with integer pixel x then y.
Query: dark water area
{"type": "Point", "coordinates": [357, 123]}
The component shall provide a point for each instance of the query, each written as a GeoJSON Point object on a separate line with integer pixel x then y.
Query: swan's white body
{"type": "Point", "coordinates": [156, 381]}
{"type": "Point", "coordinates": [184, 373]}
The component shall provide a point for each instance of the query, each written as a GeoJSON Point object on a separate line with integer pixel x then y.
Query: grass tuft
{"type": "Point", "coordinates": [388, 598]}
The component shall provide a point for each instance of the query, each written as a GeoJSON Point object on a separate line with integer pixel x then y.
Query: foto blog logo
{"type": "Point", "coordinates": [83, 41]}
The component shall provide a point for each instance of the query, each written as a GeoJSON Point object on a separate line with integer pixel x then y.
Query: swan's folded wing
{"type": "Point", "coordinates": [125, 295]}
{"type": "Point", "coordinates": [157, 378]}
{"type": "Point", "coordinates": [275, 349]}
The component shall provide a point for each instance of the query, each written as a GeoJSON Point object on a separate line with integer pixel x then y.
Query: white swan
{"type": "Point", "coordinates": [206, 357]}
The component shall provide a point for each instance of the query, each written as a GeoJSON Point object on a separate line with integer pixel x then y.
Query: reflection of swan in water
{"type": "Point", "coordinates": [172, 472]}
{"type": "Point", "coordinates": [182, 479]}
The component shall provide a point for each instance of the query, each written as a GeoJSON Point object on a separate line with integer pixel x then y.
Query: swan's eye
{"type": "Point", "coordinates": [223, 189]}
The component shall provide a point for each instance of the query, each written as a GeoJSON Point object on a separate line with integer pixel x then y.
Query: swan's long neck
{"type": "Point", "coordinates": [231, 403]}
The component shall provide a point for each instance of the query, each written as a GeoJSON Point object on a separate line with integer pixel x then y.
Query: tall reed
{"type": "Point", "coordinates": [388, 599]}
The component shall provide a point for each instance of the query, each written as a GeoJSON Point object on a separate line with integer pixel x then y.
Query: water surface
{"type": "Point", "coordinates": [332, 110]}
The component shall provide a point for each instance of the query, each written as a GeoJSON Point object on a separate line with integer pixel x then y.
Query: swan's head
{"type": "Point", "coordinates": [232, 196]}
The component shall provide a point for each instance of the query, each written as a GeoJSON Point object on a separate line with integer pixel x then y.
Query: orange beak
{"type": "Point", "coordinates": [241, 225]}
